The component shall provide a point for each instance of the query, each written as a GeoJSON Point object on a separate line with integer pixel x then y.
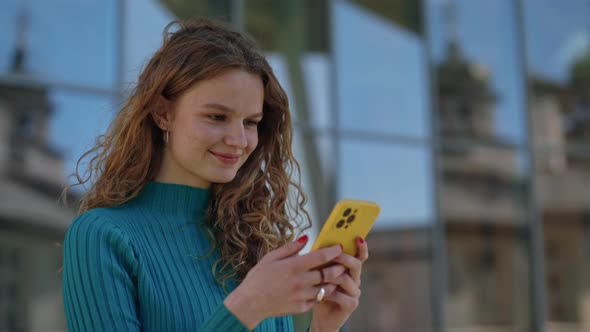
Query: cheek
{"type": "Point", "coordinates": [200, 137]}
{"type": "Point", "coordinates": [253, 141]}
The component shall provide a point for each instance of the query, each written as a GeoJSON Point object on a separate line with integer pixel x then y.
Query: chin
{"type": "Point", "coordinates": [224, 178]}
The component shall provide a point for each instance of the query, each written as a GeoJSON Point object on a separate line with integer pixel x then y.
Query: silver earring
{"type": "Point", "coordinates": [165, 136]}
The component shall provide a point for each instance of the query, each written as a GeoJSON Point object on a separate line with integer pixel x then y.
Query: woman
{"type": "Point", "coordinates": [187, 224]}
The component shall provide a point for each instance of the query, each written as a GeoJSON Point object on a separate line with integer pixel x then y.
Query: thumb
{"type": "Point", "coordinates": [288, 249]}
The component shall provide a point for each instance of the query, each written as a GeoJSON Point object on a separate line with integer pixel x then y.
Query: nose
{"type": "Point", "coordinates": [236, 136]}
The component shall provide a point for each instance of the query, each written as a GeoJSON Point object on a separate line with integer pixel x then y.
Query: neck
{"type": "Point", "coordinates": [175, 199]}
{"type": "Point", "coordinates": [172, 172]}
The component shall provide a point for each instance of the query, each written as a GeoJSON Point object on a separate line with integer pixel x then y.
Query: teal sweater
{"type": "Point", "coordinates": [136, 267]}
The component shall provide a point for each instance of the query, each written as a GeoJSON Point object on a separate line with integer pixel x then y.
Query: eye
{"type": "Point", "coordinates": [217, 117]}
{"type": "Point", "coordinates": [251, 123]}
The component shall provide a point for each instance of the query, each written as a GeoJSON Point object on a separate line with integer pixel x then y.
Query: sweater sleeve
{"type": "Point", "coordinates": [99, 266]}
{"type": "Point", "coordinates": [223, 320]}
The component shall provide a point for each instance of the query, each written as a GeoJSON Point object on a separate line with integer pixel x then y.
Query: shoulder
{"type": "Point", "coordinates": [94, 218]}
{"type": "Point", "coordinates": [102, 218]}
{"type": "Point", "coordinates": [97, 232]}
{"type": "Point", "coordinates": [97, 224]}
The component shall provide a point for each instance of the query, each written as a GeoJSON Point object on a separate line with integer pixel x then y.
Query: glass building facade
{"type": "Point", "coordinates": [468, 121]}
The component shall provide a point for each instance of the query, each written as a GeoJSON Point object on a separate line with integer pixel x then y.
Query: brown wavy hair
{"type": "Point", "coordinates": [262, 208]}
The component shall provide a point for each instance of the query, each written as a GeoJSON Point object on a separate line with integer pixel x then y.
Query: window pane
{"type": "Point", "coordinates": [316, 80]}
{"type": "Point", "coordinates": [11, 289]}
{"type": "Point", "coordinates": [146, 20]}
{"type": "Point", "coordinates": [76, 122]}
{"type": "Point", "coordinates": [41, 129]}
{"type": "Point", "coordinates": [289, 25]}
{"type": "Point", "coordinates": [63, 40]}
{"type": "Point", "coordinates": [293, 34]}
{"type": "Point", "coordinates": [483, 200]}
{"type": "Point", "coordinates": [45, 130]}
{"type": "Point", "coordinates": [315, 154]}
{"type": "Point", "coordinates": [558, 49]}
{"type": "Point", "coordinates": [396, 283]}
{"type": "Point", "coordinates": [564, 198]}
{"type": "Point", "coordinates": [397, 288]}
{"type": "Point", "coordinates": [381, 69]}
{"type": "Point", "coordinates": [479, 79]}
{"type": "Point", "coordinates": [396, 177]}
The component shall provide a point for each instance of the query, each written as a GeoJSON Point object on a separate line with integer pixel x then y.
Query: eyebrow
{"type": "Point", "coordinates": [224, 108]}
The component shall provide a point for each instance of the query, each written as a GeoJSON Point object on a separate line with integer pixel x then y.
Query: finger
{"type": "Point", "coordinates": [316, 258]}
{"type": "Point", "coordinates": [346, 302]}
{"type": "Point", "coordinates": [311, 293]}
{"type": "Point", "coordinates": [288, 249]}
{"type": "Point", "coordinates": [362, 251]}
{"type": "Point", "coordinates": [314, 277]}
{"type": "Point", "coordinates": [332, 273]}
{"type": "Point", "coordinates": [348, 285]}
{"type": "Point", "coordinates": [353, 265]}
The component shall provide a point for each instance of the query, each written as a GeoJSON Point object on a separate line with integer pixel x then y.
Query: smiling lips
{"type": "Point", "coordinates": [229, 159]}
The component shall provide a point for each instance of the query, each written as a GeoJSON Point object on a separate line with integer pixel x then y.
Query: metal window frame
{"type": "Point", "coordinates": [538, 304]}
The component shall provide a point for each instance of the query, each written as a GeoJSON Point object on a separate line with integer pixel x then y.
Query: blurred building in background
{"type": "Point", "coordinates": [468, 121]}
{"type": "Point", "coordinates": [32, 223]}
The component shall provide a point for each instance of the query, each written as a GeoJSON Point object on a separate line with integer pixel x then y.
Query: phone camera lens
{"type": "Point", "coordinates": [346, 212]}
{"type": "Point", "coordinates": [350, 219]}
{"type": "Point", "coordinates": [340, 223]}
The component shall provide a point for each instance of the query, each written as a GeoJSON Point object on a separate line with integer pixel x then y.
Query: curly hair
{"type": "Point", "coordinates": [262, 208]}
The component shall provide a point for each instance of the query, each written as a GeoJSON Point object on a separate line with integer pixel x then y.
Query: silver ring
{"type": "Point", "coordinates": [320, 295]}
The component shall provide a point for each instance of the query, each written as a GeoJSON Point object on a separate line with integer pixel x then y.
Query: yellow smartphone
{"type": "Point", "coordinates": [348, 220]}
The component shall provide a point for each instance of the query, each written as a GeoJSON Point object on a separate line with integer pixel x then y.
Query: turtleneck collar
{"type": "Point", "coordinates": [174, 199]}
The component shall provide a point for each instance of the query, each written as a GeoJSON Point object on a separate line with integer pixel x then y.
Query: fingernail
{"type": "Point", "coordinates": [341, 246]}
{"type": "Point", "coordinates": [302, 239]}
{"type": "Point", "coordinates": [361, 240]}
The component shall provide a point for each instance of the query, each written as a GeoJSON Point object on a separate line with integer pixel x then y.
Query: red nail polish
{"type": "Point", "coordinates": [302, 239]}
{"type": "Point", "coordinates": [361, 240]}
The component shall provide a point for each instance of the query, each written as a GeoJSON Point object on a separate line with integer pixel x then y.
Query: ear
{"type": "Point", "coordinates": [162, 113]}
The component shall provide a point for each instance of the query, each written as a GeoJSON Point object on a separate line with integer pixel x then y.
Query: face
{"type": "Point", "coordinates": [213, 129]}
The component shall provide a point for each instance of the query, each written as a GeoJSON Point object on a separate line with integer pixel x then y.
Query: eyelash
{"type": "Point", "coordinates": [217, 117]}
{"type": "Point", "coordinates": [221, 117]}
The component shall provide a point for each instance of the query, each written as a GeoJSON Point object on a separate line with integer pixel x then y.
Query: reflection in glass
{"type": "Point", "coordinates": [396, 282]}
{"type": "Point", "coordinates": [316, 76]}
{"type": "Point", "coordinates": [381, 69]}
{"type": "Point", "coordinates": [564, 198]}
{"type": "Point", "coordinates": [397, 177]}
{"type": "Point", "coordinates": [186, 9]}
{"type": "Point", "coordinates": [10, 292]}
{"type": "Point", "coordinates": [59, 41]}
{"type": "Point", "coordinates": [293, 34]}
{"type": "Point", "coordinates": [480, 88]}
{"type": "Point", "coordinates": [76, 122]}
{"type": "Point", "coordinates": [558, 50]}
{"type": "Point", "coordinates": [482, 195]}
{"type": "Point", "coordinates": [26, 150]}
{"type": "Point", "coordinates": [327, 168]}
{"type": "Point", "coordinates": [301, 63]}
{"type": "Point", "coordinates": [559, 74]}
{"type": "Point", "coordinates": [145, 21]}
{"type": "Point", "coordinates": [288, 25]}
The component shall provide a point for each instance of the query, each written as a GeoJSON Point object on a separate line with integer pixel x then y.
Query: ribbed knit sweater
{"type": "Point", "coordinates": [140, 267]}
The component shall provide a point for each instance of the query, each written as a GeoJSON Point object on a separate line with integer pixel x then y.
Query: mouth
{"type": "Point", "coordinates": [226, 158]}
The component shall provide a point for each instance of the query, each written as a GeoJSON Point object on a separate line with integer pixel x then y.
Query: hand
{"type": "Point", "coordinates": [332, 313]}
{"type": "Point", "coordinates": [281, 283]}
